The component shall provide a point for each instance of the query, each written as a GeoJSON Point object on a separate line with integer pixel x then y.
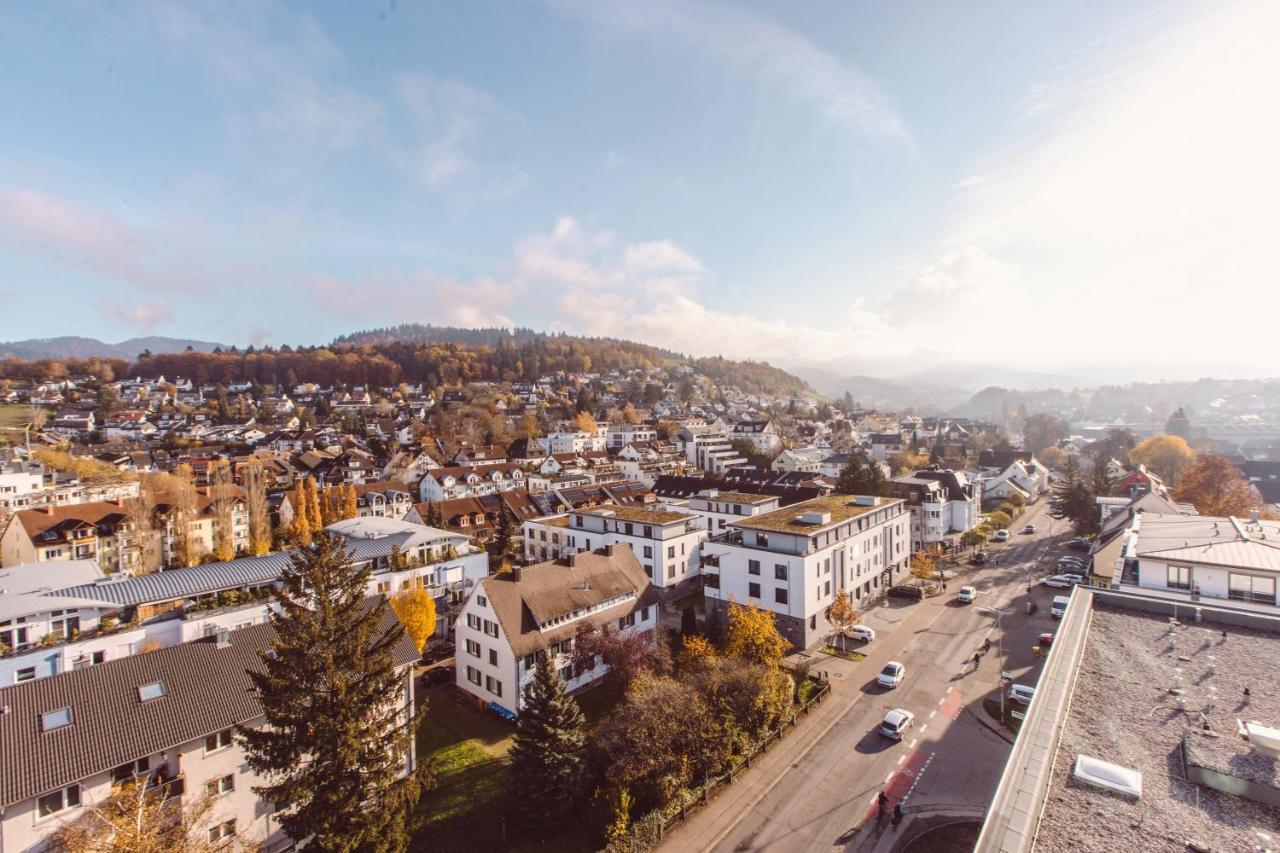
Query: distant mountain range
{"type": "Point", "coordinates": [70, 347]}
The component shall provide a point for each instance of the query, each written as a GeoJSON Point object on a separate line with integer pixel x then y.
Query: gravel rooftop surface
{"type": "Point", "coordinates": [1122, 711]}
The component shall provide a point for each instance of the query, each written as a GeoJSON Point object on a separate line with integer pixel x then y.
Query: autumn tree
{"type": "Point", "coordinates": [999, 520]}
{"type": "Point", "coordinates": [924, 566]}
{"type": "Point", "coordinates": [223, 493]}
{"type": "Point", "coordinates": [584, 422]}
{"type": "Point", "coordinates": [140, 513]}
{"type": "Point", "coordinates": [255, 486]}
{"type": "Point", "coordinates": [311, 498]}
{"type": "Point", "coordinates": [1166, 455]}
{"type": "Point", "coordinates": [627, 655]}
{"type": "Point", "coordinates": [1214, 486]}
{"type": "Point", "coordinates": [630, 415]}
{"type": "Point", "coordinates": [417, 612]}
{"type": "Point", "coordinates": [332, 692]}
{"type": "Point", "coordinates": [1042, 430]}
{"type": "Point", "coordinates": [695, 652]}
{"type": "Point", "coordinates": [300, 531]}
{"type": "Point", "coordinates": [137, 817]}
{"type": "Point", "coordinates": [548, 754]}
{"type": "Point", "coordinates": [842, 615]}
{"type": "Point", "coordinates": [753, 634]}
{"type": "Point", "coordinates": [182, 498]}
{"type": "Point", "coordinates": [350, 509]}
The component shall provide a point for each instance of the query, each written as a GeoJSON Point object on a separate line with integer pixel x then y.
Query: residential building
{"type": "Point", "coordinates": [666, 543]}
{"type": "Point", "coordinates": [943, 505]}
{"type": "Point", "coordinates": [718, 509]}
{"type": "Point", "coordinates": [760, 432]}
{"type": "Point", "coordinates": [709, 448]}
{"type": "Point", "coordinates": [1151, 728]}
{"type": "Point", "coordinates": [167, 717]}
{"type": "Point", "coordinates": [794, 561]}
{"type": "Point", "coordinates": [799, 459]}
{"type": "Point", "coordinates": [620, 435]}
{"type": "Point", "coordinates": [442, 484]}
{"type": "Point", "coordinates": [511, 621]}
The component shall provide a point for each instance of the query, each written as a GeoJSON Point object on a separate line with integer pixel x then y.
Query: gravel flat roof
{"type": "Point", "coordinates": [1122, 712]}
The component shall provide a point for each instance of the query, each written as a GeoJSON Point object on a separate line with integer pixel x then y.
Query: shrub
{"type": "Point", "coordinates": [999, 520]}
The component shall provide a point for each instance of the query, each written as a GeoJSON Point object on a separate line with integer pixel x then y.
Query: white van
{"type": "Point", "coordinates": [1059, 606]}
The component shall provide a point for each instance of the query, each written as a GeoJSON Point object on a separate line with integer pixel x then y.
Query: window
{"type": "Point", "coordinates": [780, 596]}
{"type": "Point", "coordinates": [762, 539]}
{"type": "Point", "coordinates": [648, 551]}
{"type": "Point", "coordinates": [64, 628]}
{"type": "Point", "coordinates": [67, 798]}
{"type": "Point", "coordinates": [481, 600]}
{"type": "Point", "coordinates": [473, 621]}
{"type": "Point", "coordinates": [493, 685]}
{"type": "Point", "coordinates": [827, 589]}
{"type": "Point", "coordinates": [779, 572]}
{"type": "Point", "coordinates": [473, 648]}
{"type": "Point", "coordinates": [225, 785]}
{"type": "Point", "coordinates": [53, 720]}
{"type": "Point", "coordinates": [753, 567]}
{"type": "Point", "coordinates": [1179, 577]}
{"type": "Point", "coordinates": [648, 531]}
{"type": "Point", "coordinates": [493, 657]}
{"type": "Point", "coordinates": [222, 831]}
{"type": "Point", "coordinates": [25, 674]}
{"type": "Point", "coordinates": [644, 614]}
{"type": "Point", "coordinates": [1252, 588]}
{"type": "Point", "coordinates": [126, 772]}
{"type": "Point", "coordinates": [217, 741]}
{"type": "Point", "coordinates": [627, 621]}
{"type": "Point", "coordinates": [671, 551]}
{"type": "Point", "coordinates": [154, 690]}
{"type": "Point", "coordinates": [671, 570]}
{"type": "Point", "coordinates": [473, 675]}
{"type": "Point", "coordinates": [491, 628]}
{"type": "Point", "coordinates": [753, 590]}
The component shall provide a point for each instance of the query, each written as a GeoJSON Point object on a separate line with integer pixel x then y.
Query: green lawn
{"type": "Point", "coordinates": [13, 417]}
{"type": "Point", "coordinates": [847, 654]}
{"type": "Point", "coordinates": [465, 808]}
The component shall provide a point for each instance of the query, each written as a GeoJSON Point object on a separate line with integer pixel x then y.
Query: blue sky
{"type": "Point", "coordinates": [818, 182]}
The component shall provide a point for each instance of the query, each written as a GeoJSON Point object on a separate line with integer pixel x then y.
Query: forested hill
{"type": "Point", "coordinates": [427, 354]}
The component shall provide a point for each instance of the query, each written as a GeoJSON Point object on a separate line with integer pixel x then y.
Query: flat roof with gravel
{"type": "Point", "coordinates": [1122, 711]}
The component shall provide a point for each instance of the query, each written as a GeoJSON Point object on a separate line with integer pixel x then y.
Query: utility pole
{"type": "Point", "coordinates": [1004, 675]}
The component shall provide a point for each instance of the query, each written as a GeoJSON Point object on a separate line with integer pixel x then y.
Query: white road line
{"type": "Point", "coordinates": [940, 701]}
{"type": "Point", "coordinates": [874, 798]}
{"type": "Point", "coordinates": [914, 741]}
{"type": "Point", "coordinates": [889, 778]}
{"type": "Point", "coordinates": [901, 758]}
{"type": "Point", "coordinates": [922, 728]}
{"type": "Point", "coordinates": [931, 713]}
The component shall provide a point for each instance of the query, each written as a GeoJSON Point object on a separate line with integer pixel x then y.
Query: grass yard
{"type": "Point", "coordinates": [465, 808]}
{"type": "Point", "coordinates": [1012, 723]}
{"type": "Point", "coordinates": [13, 417]}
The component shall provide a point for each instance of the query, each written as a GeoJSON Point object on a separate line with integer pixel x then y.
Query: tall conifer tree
{"type": "Point", "coordinates": [335, 742]}
{"type": "Point", "coordinates": [548, 758]}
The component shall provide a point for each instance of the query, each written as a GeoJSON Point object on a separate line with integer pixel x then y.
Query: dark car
{"type": "Point", "coordinates": [1079, 544]}
{"type": "Point", "coordinates": [980, 558]}
{"type": "Point", "coordinates": [914, 593]}
{"type": "Point", "coordinates": [438, 675]}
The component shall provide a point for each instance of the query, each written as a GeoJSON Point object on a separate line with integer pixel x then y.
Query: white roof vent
{"type": "Point", "coordinates": [814, 518]}
{"type": "Point", "coordinates": [1264, 738]}
{"type": "Point", "coordinates": [1104, 774]}
{"type": "Point", "coordinates": [864, 500]}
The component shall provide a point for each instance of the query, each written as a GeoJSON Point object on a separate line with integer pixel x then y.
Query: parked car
{"type": "Point", "coordinates": [438, 675]}
{"type": "Point", "coordinates": [1001, 536]}
{"type": "Point", "coordinates": [892, 674]}
{"type": "Point", "coordinates": [966, 595]}
{"type": "Point", "coordinates": [861, 632]}
{"type": "Point", "coordinates": [914, 593]}
{"type": "Point", "coordinates": [1030, 528]}
{"type": "Point", "coordinates": [1021, 694]}
{"type": "Point", "coordinates": [1080, 544]}
{"type": "Point", "coordinates": [1058, 608]}
{"type": "Point", "coordinates": [980, 558]}
{"type": "Point", "coordinates": [896, 723]}
{"type": "Point", "coordinates": [1046, 640]}
{"type": "Point", "coordinates": [1073, 566]}
{"type": "Point", "coordinates": [1062, 581]}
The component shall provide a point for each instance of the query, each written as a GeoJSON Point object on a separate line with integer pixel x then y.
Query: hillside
{"type": "Point", "coordinates": [72, 347]}
{"type": "Point", "coordinates": [429, 354]}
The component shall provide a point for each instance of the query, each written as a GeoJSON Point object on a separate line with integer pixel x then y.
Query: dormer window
{"type": "Point", "coordinates": [153, 690]}
{"type": "Point", "coordinates": [53, 720]}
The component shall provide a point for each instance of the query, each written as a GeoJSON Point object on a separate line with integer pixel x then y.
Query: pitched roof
{"type": "Point", "coordinates": [206, 690]}
{"type": "Point", "coordinates": [556, 588]}
{"type": "Point", "coordinates": [37, 521]}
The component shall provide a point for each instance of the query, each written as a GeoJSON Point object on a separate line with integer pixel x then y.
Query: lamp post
{"type": "Point", "coordinates": [1004, 676]}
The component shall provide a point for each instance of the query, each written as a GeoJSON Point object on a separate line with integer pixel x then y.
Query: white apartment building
{"type": "Point", "coordinates": [167, 718]}
{"type": "Point", "coordinates": [718, 509]}
{"type": "Point", "coordinates": [709, 448]}
{"type": "Point", "coordinates": [793, 561]}
{"type": "Point", "coordinates": [510, 621]}
{"type": "Point", "coordinates": [575, 441]}
{"type": "Point", "coordinates": [667, 544]}
{"type": "Point", "coordinates": [943, 505]}
{"type": "Point", "coordinates": [807, 459]}
{"type": "Point", "coordinates": [762, 435]}
{"type": "Point", "coordinates": [620, 435]}
{"type": "Point", "coordinates": [1196, 557]}
{"type": "Point", "coordinates": [469, 481]}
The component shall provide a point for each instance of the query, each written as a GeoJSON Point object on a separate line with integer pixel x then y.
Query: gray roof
{"type": "Point", "coordinates": [212, 577]}
{"type": "Point", "coordinates": [207, 689]}
{"type": "Point", "coordinates": [1220, 541]}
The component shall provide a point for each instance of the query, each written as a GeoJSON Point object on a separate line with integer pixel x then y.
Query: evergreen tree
{"type": "Point", "coordinates": [506, 529]}
{"type": "Point", "coordinates": [935, 453]}
{"type": "Point", "coordinates": [333, 747]}
{"type": "Point", "coordinates": [860, 479]}
{"type": "Point", "coordinates": [548, 757]}
{"type": "Point", "coordinates": [851, 477]}
{"type": "Point", "coordinates": [1179, 424]}
{"type": "Point", "coordinates": [1073, 499]}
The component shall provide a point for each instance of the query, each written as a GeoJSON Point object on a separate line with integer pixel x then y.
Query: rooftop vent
{"type": "Point", "coordinates": [814, 518]}
{"type": "Point", "coordinates": [864, 500]}
{"type": "Point", "coordinates": [1264, 738]}
{"type": "Point", "coordinates": [1104, 774]}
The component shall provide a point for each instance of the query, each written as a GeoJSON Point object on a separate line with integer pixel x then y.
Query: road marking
{"type": "Point", "coordinates": [940, 701]}
{"type": "Point", "coordinates": [874, 799]}
{"type": "Point", "coordinates": [932, 713]}
{"type": "Point", "coordinates": [922, 728]}
{"type": "Point", "coordinates": [914, 741]}
{"type": "Point", "coordinates": [901, 758]}
{"type": "Point", "coordinates": [889, 778]}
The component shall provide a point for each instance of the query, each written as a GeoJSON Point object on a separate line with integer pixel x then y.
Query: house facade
{"type": "Point", "coordinates": [442, 484]}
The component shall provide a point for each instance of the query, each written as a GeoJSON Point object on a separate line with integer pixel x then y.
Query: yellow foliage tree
{"type": "Point", "coordinates": [300, 527]}
{"type": "Point", "coordinates": [752, 634]}
{"type": "Point", "coordinates": [417, 612]}
{"type": "Point", "coordinates": [585, 422]}
{"type": "Point", "coordinates": [255, 487]}
{"type": "Point", "coordinates": [1214, 486]}
{"type": "Point", "coordinates": [312, 498]}
{"type": "Point", "coordinates": [924, 566]}
{"type": "Point", "coordinates": [695, 652]}
{"type": "Point", "coordinates": [842, 614]}
{"type": "Point", "coordinates": [349, 502]}
{"type": "Point", "coordinates": [630, 415]}
{"type": "Point", "coordinates": [1167, 455]}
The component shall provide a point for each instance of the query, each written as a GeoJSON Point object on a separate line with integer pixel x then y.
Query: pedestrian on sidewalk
{"type": "Point", "coordinates": [897, 813]}
{"type": "Point", "coordinates": [883, 805]}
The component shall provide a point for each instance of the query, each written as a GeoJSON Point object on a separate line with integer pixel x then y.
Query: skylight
{"type": "Point", "coordinates": [154, 690]}
{"type": "Point", "coordinates": [51, 720]}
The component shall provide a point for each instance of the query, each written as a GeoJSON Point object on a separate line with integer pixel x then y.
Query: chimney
{"type": "Point", "coordinates": [573, 560]}
{"type": "Point", "coordinates": [1253, 516]}
{"type": "Point", "coordinates": [515, 574]}
{"type": "Point", "coordinates": [47, 509]}
{"type": "Point", "coordinates": [222, 638]}
{"type": "Point", "coordinates": [614, 548]}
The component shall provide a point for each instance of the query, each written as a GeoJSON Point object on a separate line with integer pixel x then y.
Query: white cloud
{"type": "Point", "coordinates": [753, 46]}
{"type": "Point", "coordinates": [143, 317]}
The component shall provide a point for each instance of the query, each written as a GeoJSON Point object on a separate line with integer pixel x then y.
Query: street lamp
{"type": "Point", "coordinates": [1004, 676]}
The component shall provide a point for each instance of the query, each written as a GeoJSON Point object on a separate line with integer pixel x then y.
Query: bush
{"type": "Point", "coordinates": [999, 520]}
{"type": "Point", "coordinates": [1017, 500]}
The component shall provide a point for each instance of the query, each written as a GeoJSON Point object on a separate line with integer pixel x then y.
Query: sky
{"type": "Point", "coordinates": [868, 187]}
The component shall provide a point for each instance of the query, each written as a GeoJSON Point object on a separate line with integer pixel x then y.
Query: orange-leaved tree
{"type": "Point", "coordinates": [1166, 455]}
{"type": "Point", "coordinates": [1216, 487]}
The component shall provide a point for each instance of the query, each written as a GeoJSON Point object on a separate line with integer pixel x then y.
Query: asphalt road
{"type": "Point", "coordinates": [825, 798]}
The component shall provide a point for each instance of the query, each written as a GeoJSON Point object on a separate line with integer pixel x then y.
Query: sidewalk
{"type": "Point", "coordinates": [704, 830]}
